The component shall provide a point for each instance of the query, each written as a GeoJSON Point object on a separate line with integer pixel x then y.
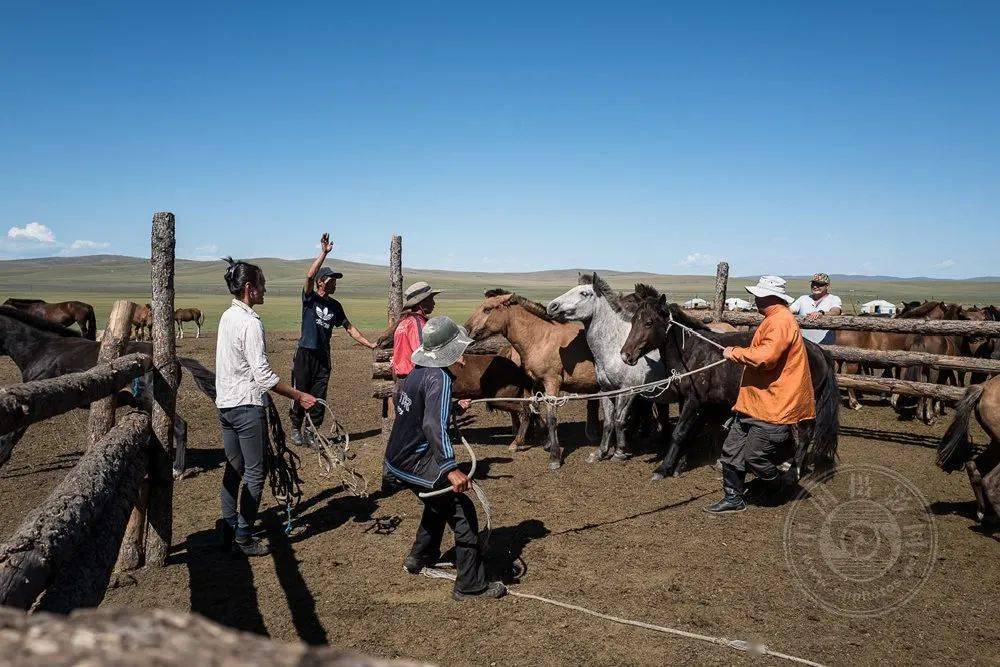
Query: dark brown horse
{"type": "Point", "coordinates": [927, 409]}
{"type": "Point", "coordinates": [554, 354]}
{"type": "Point", "coordinates": [182, 315]}
{"type": "Point", "coordinates": [142, 323]}
{"type": "Point", "coordinates": [653, 328]}
{"type": "Point", "coordinates": [956, 451]}
{"type": "Point", "coordinates": [63, 313]}
{"type": "Point", "coordinates": [496, 376]}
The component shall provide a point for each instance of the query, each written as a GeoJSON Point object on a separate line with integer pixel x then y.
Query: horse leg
{"type": "Point", "coordinates": [198, 335]}
{"type": "Point", "coordinates": [852, 368]}
{"type": "Point", "coordinates": [180, 445]}
{"type": "Point", "coordinates": [521, 423]}
{"type": "Point", "coordinates": [555, 451]}
{"type": "Point", "coordinates": [609, 428]}
{"type": "Point", "coordinates": [623, 404]}
{"type": "Point", "coordinates": [687, 418]}
{"type": "Point", "coordinates": [593, 422]}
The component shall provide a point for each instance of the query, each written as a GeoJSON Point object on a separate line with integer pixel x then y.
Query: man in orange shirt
{"type": "Point", "coordinates": [775, 393]}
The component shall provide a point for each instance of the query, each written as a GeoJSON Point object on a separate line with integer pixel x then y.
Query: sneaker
{"type": "Point", "coordinates": [729, 504]}
{"type": "Point", "coordinates": [296, 437]}
{"type": "Point", "coordinates": [250, 546]}
{"type": "Point", "coordinates": [494, 590]}
{"type": "Point", "coordinates": [414, 565]}
{"type": "Point", "coordinates": [226, 534]}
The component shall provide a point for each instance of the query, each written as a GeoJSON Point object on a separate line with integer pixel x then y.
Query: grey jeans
{"type": "Point", "coordinates": [243, 440]}
{"type": "Point", "coordinates": [756, 445]}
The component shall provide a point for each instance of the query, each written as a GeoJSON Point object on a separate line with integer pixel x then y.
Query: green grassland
{"type": "Point", "coordinates": [100, 280]}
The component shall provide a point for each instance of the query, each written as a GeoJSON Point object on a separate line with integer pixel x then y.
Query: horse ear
{"type": "Point", "coordinates": [661, 303]}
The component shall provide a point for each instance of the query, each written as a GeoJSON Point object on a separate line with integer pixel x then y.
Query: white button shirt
{"type": "Point", "coordinates": [242, 372]}
{"type": "Point", "coordinates": [805, 305]}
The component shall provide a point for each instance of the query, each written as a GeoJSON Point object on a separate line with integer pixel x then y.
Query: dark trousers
{"type": "Point", "coordinates": [243, 434]}
{"type": "Point", "coordinates": [756, 445]}
{"type": "Point", "coordinates": [457, 511]}
{"type": "Point", "coordinates": [311, 374]}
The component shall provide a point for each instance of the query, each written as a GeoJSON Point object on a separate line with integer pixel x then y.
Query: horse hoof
{"type": "Point", "coordinates": [554, 465]}
{"type": "Point", "coordinates": [856, 407]}
{"type": "Point", "coordinates": [620, 457]}
{"type": "Point", "coordinates": [593, 458]}
{"type": "Point", "coordinates": [657, 477]}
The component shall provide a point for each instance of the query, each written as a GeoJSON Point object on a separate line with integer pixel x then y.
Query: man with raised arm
{"type": "Point", "coordinates": [320, 313]}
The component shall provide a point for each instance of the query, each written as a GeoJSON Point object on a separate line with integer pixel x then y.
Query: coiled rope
{"type": "Point", "coordinates": [281, 464]}
{"type": "Point", "coordinates": [735, 644]}
{"type": "Point", "coordinates": [333, 451]}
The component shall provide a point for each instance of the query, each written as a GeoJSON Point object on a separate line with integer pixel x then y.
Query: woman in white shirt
{"type": "Point", "coordinates": [243, 377]}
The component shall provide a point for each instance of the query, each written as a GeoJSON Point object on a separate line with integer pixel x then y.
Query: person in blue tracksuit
{"type": "Point", "coordinates": [419, 456]}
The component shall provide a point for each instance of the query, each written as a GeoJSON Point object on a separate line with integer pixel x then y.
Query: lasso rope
{"type": "Point", "coordinates": [282, 465]}
{"type": "Point", "coordinates": [735, 644]}
{"type": "Point", "coordinates": [650, 390]}
{"type": "Point", "coordinates": [484, 539]}
{"type": "Point", "coordinates": [333, 451]}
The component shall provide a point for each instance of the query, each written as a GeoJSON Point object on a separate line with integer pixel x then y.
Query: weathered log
{"type": "Point", "coordinates": [721, 280]}
{"type": "Point", "coordinates": [382, 370]}
{"type": "Point", "coordinates": [904, 358]}
{"type": "Point", "coordinates": [30, 402]}
{"type": "Point", "coordinates": [153, 637]}
{"type": "Point", "coordinates": [50, 536]}
{"type": "Point", "coordinates": [891, 386]}
{"type": "Point", "coordinates": [102, 412]}
{"type": "Point", "coordinates": [166, 378]}
{"type": "Point", "coordinates": [382, 389]}
{"type": "Point", "coordinates": [891, 325]}
{"type": "Point", "coordinates": [491, 345]}
{"type": "Point", "coordinates": [133, 544]}
{"type": "Point", "coordinates": [395, 300]}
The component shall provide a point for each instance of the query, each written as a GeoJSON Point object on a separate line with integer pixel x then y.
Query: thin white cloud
{"type": "Point", "coordinates": [81, 244]}
{"type": "Point", "coordinates": [697, 259]}
{"type": "Point", "coordinates": [33, 232]}
{"type": "Point", "coordinates": [946, 264]}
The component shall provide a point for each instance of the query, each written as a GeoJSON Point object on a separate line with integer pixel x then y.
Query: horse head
{"type": "Point", "coordinates": [582, 302]}
{"type": "Point", "coordinates": [650, 324]}
{"type": "Point", "coordinates": [490, 318]}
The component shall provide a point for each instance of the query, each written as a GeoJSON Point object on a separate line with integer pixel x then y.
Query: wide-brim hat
{"type": "Point", "coordinates": [770, 286]}
{"type": "Point", "coordinates": [417, 292]}
{"type": "Point", "coordinates": [444, 343]}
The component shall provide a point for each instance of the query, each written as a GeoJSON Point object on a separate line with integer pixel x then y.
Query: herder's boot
{"type": "Point", "coordinates": [732, 487]}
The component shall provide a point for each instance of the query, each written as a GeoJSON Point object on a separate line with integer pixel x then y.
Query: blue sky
{"type": "Point", "coordinates": [784, 137]}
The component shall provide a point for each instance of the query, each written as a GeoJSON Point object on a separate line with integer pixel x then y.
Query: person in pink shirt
{"type": "Point", "coordinates": [418, 304]}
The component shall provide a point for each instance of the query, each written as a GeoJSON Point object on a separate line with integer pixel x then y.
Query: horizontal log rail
{"type": "Point", "coordinates": [905, 358]}
{"type": "Point", "coordinates": [891, 386]}
{"type": "Point", "coordinates": [30, 402]}
{"type": "Point", "coordinates": [884, 324]}
{"type": "Point", "coordinates": [51, 536]}
{"type": "Point", "coordinates": [490, 345]}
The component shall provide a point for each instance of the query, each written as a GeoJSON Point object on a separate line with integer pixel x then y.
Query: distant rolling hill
{"type": "Point", "coordinates": [99, 279]}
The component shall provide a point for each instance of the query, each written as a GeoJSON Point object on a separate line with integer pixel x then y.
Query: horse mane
{"type": "Point", "coordinates": [619, 303]}
{"type": "Point", "coordinates": [922, 309]}
{"type": "Point", "coordinates": [680, 316]}
{"type": "Point", "coordinates": [496, 291]}
{"type": "Point", "coordinates": [38, 323]}
{"type": "Point", "coordinates": [532, 307]}
{"type": "Point", "coordinates": [953, 311]}
{"type": "Point", "coordinates": [644, 291]}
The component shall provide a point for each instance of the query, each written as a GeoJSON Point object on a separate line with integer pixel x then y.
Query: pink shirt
{"type": "Point", "coordinates": [404, 342]}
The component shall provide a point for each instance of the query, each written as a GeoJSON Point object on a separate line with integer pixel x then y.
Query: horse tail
{"type": "Point", "coordinates": [90, 328]}
{"type": "Point", "coordinates": [204, 378]}
{"type": "Point", "coordinates": [823, 453]}
{"type": "Point", "coordinates": [956, 447]}
{"type": "Point", "coordinates": [200, 317]}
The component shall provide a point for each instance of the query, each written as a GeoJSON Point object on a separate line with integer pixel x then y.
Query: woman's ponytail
{"type": "Point", "coordinates": [239, 273]}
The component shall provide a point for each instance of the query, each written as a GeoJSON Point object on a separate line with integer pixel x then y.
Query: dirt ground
{"type": "Point", "coordinates": [601, 536]}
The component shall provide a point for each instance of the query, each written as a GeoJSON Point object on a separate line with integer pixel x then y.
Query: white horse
{"type": "Point", "coordinates": [606, 324]}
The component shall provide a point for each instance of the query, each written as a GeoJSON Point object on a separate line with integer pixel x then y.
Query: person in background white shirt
{"type": "Point", "coordinates": [243, 377]}
{"type": "Point", "coordinates": [818, 302]}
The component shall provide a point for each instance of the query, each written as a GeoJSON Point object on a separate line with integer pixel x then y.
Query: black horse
{"type": "Point", "coordinates": [44, 350]}
{"type": "Point", "coordinates": [652, 328]}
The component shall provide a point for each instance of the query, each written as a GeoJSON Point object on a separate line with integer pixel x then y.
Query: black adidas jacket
{"type": "Point", "coordinates": [419, 450]}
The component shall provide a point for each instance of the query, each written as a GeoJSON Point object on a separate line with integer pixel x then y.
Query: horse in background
{"type": "Point", "coordinates": [606, 325]}
{"type": "Point", "coordinates": [182, 315]}
{"type": "Point", "coordinates": [142, 323]}
{"type": "Point", "coordinates": [63, 313]}
{"type": "Point", "coordinates": [653, 327]}
{"type": "Point", "coordinates": [554, 354]}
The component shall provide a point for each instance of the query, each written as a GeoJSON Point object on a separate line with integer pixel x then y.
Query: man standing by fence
{"type": "Point", "coordinates": [818, 302]}
{"type": "Point", "coordinates": [320, 313]}
{"type": "Point", "coordinates": [775, 393]}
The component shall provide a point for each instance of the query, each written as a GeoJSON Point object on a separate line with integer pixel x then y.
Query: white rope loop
{"type": "Point", "coordinates": [478, 490]}
{"type": "Point", "coordinates": [334, 450]}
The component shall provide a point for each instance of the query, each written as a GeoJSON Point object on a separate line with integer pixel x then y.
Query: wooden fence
{"type": "Point", "coordinates": [64, 552]}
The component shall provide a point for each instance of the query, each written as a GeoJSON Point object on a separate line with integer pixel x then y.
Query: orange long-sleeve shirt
{"type": "Point", "coordinates": [776, 386]}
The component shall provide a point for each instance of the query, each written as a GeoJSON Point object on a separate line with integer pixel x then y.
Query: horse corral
{"type": "Point", "coordinates": [598, 535]}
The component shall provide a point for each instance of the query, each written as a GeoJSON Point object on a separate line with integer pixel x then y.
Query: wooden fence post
{"type": "Point", "coordinates": [102, 412]}
{"type": "Point", "coordinates": [721, 281]}
{"type": "Point", "coordinates": [166, 376]}
{"type": "Point", "coordinates": [395, 306]}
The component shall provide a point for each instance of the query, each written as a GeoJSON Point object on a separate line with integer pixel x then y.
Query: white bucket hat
{"type": "Point", "coordinates": [443, 343]}
{"type": "Point", "coordinates": [770, 286]}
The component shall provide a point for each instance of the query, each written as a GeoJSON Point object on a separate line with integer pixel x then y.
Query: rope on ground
{"type": "Point", "coordinates": [333, 450]}
{"type": "Point", "coordinates": [735, 644]}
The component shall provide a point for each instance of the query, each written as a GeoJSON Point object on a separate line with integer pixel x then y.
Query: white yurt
{"type": "Point", "coordinates": [695, 303]}
{"type": "Point", "coordinates": [879, 307]}
{"type": "Point", "coordinates": [734, 303]}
